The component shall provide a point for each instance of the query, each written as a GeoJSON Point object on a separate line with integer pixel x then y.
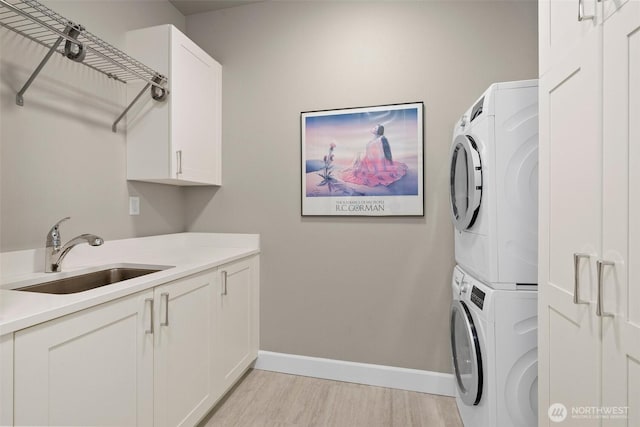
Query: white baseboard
{"type": "Point", "coordinates": [361, 373]}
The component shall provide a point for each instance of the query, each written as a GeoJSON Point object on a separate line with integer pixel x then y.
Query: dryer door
{"type": "Point", "coordinates": [467, 359]}
{"type": "Point", "coordinates": [466, 182]}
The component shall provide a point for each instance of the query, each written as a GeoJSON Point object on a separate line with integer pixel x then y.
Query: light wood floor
{"type": "Point", "coordinates": [269, 399]}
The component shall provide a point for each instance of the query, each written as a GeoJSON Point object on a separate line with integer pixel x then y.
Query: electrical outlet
{"type": "Point", "coordinates": [134, 205]}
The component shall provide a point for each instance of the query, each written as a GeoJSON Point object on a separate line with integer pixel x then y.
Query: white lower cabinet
{"type": "Point", "coordinates": [162, 357]}
{"type": "Point", "coordinates": [94, 367]}
{"type": "Point", "coordinates": [184, 351]}
{"type": "Point", "coordinates": [238, 316]}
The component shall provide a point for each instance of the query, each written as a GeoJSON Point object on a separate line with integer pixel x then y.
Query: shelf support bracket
{"type": "Point", "coordinates": [19, 95]}
{"type": "Point", "coordinates": [158, 93]}
{"type": "Point", "coordinates": [114, 127]}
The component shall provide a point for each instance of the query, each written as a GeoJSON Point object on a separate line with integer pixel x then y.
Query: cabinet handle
{"type": "Point", "coordinates": [581, 15]}
{"type": "Point", "coordinates": [150, 301]}
{"type": "Point", "coordinates": [165, 295]}
{"type": "Point", "coordinates": [224, 282]}
{"type": "Point", "coordinates": [599, 311]}
{"type": "Point", "coordinates": [179, 161]}
{"type": "Point", "coordinates": [576, 278]}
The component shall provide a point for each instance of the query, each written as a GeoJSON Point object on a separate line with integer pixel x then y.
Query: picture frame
{"type": "Point", "coordinates": [364, 161]}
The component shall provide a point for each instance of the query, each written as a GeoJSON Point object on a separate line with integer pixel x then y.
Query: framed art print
{"type": "Point", "coordinates": [366, 161]}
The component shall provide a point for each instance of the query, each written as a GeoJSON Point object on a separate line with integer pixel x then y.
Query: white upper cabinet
{"type": "Point", "coordinates": [177, 141]}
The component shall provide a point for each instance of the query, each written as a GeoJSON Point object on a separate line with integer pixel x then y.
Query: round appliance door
{"type": "Point", "coordinates": [465, 348]}
{"type": "Point", "coordinates": [466, 182]}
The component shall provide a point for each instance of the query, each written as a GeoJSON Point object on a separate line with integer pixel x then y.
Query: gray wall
{"type": "Point", "coordinates": [59, 157]}
{"type": "Point", "coordinates": [368, 290]}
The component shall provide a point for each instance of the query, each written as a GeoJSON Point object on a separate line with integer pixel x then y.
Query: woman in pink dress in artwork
{"type": "Point", "coordinates": [377, 166]}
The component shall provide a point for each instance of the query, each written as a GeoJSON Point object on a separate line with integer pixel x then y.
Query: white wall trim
{"type": "Point", "coordinates": [361, 373]}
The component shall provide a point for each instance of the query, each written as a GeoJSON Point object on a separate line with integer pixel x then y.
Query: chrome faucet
{"type": "Point", "coordinates": [55, 251]}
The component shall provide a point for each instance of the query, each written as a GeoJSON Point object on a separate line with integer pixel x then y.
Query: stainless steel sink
{"type": "Point", "coordinates": [84, 282]}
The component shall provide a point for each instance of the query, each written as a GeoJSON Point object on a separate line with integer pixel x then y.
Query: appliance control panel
{"type": "Point", "coordinates": [477, 297]}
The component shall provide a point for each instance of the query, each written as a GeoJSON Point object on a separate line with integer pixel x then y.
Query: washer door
{"type": "Point", "coordinates": [465, 348]}
{"type": "Point", "coordinates": [466, 182]}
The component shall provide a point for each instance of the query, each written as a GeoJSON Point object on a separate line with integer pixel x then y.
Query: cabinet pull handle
{"type": "Point", "coordinates": [150, 301]}
{"type": "Point", "coordinates": [179, 161]}
{"type": "Point", "coordinates": [165, 295]}
{"type": "Point", "coordinates": [576, 278]}
{"type": "Point", "coordinates": [581, 15]}
{"type": "Point", "coordinates": [599, 311]}
{"type": "Point", "coordinates": [224, 282]}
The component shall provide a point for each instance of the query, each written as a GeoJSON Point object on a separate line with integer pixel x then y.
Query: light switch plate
{"type": "Point", "coordinates": [134, 205]}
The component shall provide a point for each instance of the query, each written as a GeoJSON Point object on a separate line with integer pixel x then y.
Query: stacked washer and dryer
{"type": "Point", "coordinates": [494, 207]}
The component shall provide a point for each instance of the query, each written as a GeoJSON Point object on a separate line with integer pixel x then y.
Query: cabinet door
{"type": "Point", "coordinates": [149, 122]}
{"type": "Point", "coordinates": [237, 320]}
{"type": "Point", "coordinates": [196, 111]}
{"type": "Point", "coordinates": [560, 31]}
{"type": "Point", "coordinates": [621, 213]}
{"type": "Point", "coordinates": [612, 6]}
{"type": "Point", "coordinates": [184, 350]}
{"type": "Point", "coordinates": [6, 380]}
{"type": "Point", "coordinates": [92, 368]}
{"type": "Point", "coordinates": [570, 201]}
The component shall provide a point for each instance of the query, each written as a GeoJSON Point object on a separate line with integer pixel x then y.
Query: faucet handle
{"type": "Point", "coordinates": [53, 237]}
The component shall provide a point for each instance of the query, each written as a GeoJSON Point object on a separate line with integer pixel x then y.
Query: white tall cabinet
{"type": "Point", "coordinates": [570, 201]}
{"type": "Point", "coordinates": [621, 211]}
{"type": "Point", "coordinates": [589, 96]}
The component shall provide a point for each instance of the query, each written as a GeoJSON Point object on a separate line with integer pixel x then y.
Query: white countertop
{"type": "Point", "coordinates": [185, 253]}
